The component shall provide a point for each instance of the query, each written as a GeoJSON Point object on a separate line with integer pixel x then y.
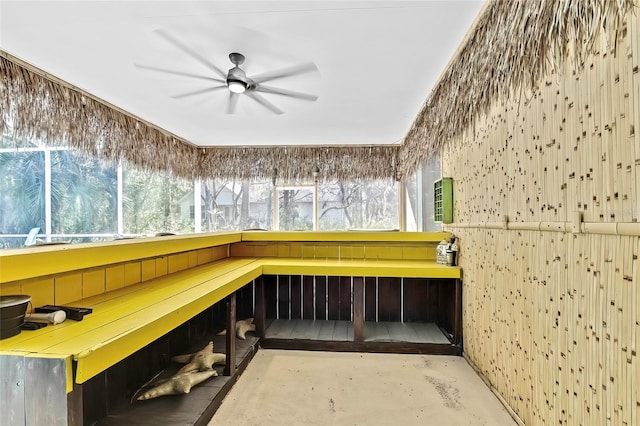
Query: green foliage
{"type": "Point", "coordinates": [151, 203]}
{"type": "Point", "coordinates": [21, 192]}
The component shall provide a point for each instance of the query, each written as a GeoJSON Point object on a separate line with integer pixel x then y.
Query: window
{"type": "Point", "coordinates": [358, 205]}
{"type": "Point", "coordinates": [73, 198]}
{"type": "Point", "coordinates": [296, 207]}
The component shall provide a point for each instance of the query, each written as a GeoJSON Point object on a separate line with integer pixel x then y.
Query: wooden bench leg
{"type": "Point", "coordinates": [457, 320]}
{"type": "Point", "coordinates": [259, 309]}
{"type": "Point", "coordinates": [230, 368]}
{"type": "Point", "coordinates": [358, 309]}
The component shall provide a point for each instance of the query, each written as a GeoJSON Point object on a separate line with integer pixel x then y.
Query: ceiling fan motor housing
{"type": "Point", "coordinates": [237, 75]}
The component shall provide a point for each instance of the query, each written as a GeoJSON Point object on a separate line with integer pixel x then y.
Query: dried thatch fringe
{"type": "Point", "coordinates": [291, 163]}
{"type": "Point", "coordinates": [512, 45]}
{"type": "Point", "coordinates": [36, 106]}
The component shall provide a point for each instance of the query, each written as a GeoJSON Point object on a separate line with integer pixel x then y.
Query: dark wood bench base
{"type": "Point", "coordinates": [374, 347]}
{"type": "Point", "coordinates": [195, 408]}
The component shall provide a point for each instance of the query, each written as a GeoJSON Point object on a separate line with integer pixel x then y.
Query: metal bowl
{"type": "Point", "coordinates": [12, 310]}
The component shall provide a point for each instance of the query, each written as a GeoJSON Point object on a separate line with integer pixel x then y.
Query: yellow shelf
{"type": "Point", "coordinates": [346, 236]}
{"type": "Point", "coordinates": [31, 262]}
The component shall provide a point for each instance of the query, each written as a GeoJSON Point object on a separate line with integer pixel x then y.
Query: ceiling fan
{"type": "Point", "coordinates": [236, 81]}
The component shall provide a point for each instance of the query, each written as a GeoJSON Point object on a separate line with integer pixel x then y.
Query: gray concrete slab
{"type": "Point", "coordinates": [332, 388]}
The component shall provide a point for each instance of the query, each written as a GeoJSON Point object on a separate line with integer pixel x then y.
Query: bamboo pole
{"type": "Point", "coordinates": [634, 114]}
{"type": "Point", "coordinates": [634, 389]}
{"type": "Point", "coordinates": [627, 330]}
{"type": "Point", "coordinates": [596, 338]}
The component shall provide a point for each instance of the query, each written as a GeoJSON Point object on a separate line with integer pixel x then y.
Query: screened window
{"type": "Point", "coordinates": [69, 197]}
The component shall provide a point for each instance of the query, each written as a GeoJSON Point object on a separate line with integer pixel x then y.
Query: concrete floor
{"type": "Point", "coordinates": [334, 388]}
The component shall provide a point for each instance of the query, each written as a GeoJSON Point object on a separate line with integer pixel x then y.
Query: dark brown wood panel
{"type": "Point", "coordinates": [244, 301]}
{"type": "Point", "coordinates": [321, 298]}
{"type": "Point", "coordinates": [94, 398]}
{"type": "Point", "coordinates": [358, 309]}
{"type": "Point", "coordinates": [379, 347]}
{"type": "Point", "coordinates": [283, 296]}
{"type": "Point", "coordinates": [388, 299]}
{"type": "Point", "coordinates": [116, 381]}
{"type": "Point", "coordinates": [230, 337]}
{"type": "Point", "coordinates": [415, 300]}
{"type": "Point", "coordinates": [446, 304]}
{"type": "Point", "coordinates": [370, 296]}
{"type": "Point", "coordinates": [270, 296]}
{"type": "Point", "coordinates": [195, 408]}
{"type": "Point", "coordinates": [260, 319]}
{"type": "Point", "coordinates": [345, 299]}
{"type": "Point", "coordinates": [333, 293]}
{"type": "Point", "coordinates": [433, 291]}
{"type": "Point", "coordinates": [296, 296]}
{"type": "Point", "coordinates": [307, 295]}
{"type": "Point", "coordinates": [199, 326]}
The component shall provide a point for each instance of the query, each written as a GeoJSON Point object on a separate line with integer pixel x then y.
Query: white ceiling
{"type": "Point", "coordinates": [377, 61]}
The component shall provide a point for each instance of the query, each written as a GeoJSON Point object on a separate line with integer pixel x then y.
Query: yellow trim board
{"type": "Point", "coordinates": [37, 261]}
{"type": "Point", "coordinates": [346, 236]}
{"type": "Point", "coordinates": [359, 268]}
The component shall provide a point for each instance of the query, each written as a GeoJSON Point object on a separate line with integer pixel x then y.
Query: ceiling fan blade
{"type": "Point", "coordinates": [285, 72]}
{"type": "Point", "coordinates": [199, 92]}
{"type": "Point", "coordinates": [262, 101]}
{"type": "Point", "coordinates": [233, 101]}
{"type": "Point", "coordinates": [195, 55]}
{"type": "Point", "coordinates": [186, 74]}
{"type": "Point", "coordinates": [290, 93]}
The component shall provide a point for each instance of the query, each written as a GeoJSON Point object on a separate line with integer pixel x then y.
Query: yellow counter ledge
{"type": "Point", "coordinates": [38, 261]}
{"type": "Point", "coordinates": [359, 268]}
{"type": "Point", "coordinates": [346, 236]}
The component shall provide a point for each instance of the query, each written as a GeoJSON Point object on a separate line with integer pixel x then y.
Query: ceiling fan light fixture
{"type": "Point", "coordinates": [237, 86]}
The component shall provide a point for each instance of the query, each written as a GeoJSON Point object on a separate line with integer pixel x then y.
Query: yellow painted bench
{"type": "Point", "coordinates": [127, 319]}
{"type": "Point", "coordinates": [191, 275]}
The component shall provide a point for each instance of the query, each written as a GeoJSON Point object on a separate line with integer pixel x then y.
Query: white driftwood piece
{"type": "Point", "coordinates": [180, 383]}
{"type": "Point", "coordinates": [202, 360]}
{"type": "Point", "coordinates": [242, 327]}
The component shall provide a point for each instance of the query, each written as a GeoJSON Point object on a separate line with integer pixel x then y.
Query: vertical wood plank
{"type": "Point", "coordinates": [230, 367]}
{"type": "Point", "coordinates": [345, 299]}
{"type": "Point", "coordinates": [260, 310]}
{"type": "Point", "coordinates": [389, 299]}
{"type": "Point", "coordinates": [307, 295]}
{"type": "Point", "coordinates": [296, 296]}
{"type": "Point", "coordinates": [370, 298]}
{"type": "Point", "coordinates": [284, 297]}
{"type": "Point", "coordinates": [320, 284]}
{"type": "Point", "coordinates": [270, 295]}
{"type": "Point", "coordinates": [358, 309]}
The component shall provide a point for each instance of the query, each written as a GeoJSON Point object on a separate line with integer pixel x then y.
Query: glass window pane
{"type": "Point", "coordinates": [83, 196]}
{"type": "Point", "coordinates": [336, 202]}
{"type": "Point", "coordinates": [295, 209]}
{"type": "Point", "coordinates": [156, 202]}
{"type": "Point", "coordinates": [22, 189]}
{"type": "Point", "coordinates": [235, 205]}
{"type": "Point", "coordinates": [358, 205]}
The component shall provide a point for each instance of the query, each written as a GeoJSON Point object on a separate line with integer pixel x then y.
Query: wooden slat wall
{"type": "Point", "coordinates": [552, 319]}
{"type": "Point", "coordinates": [331, 298]}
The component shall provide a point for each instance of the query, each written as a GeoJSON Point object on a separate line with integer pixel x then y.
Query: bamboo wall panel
{"type": "Point", "coordinates": [570, 145]}
{"type": "Point", "coordinates": [552, 319]}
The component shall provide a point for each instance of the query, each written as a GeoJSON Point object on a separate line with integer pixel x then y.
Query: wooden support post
{"type": "Point", "coordinates": [230, 368]}
{"type": "Point", "coordinates": [358, 309]}
{"type": "Point", "coordinates": [259, 309]}
{"type": "Point", "coordinates": [457, 320]}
